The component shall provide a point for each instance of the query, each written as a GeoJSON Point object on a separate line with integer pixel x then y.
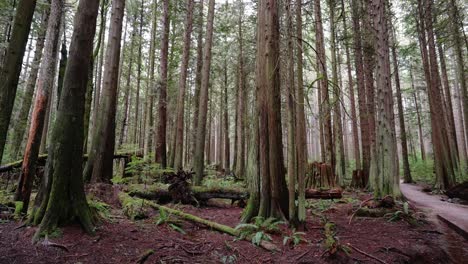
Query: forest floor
{"type": "Point", "coordinates": [119, 240]}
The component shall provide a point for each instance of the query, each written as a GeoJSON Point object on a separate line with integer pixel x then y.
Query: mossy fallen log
{"type": "Point", "coordinates": [161, 193]}
{"type": "Point", "coordinates": [43, 158]}
{"type": "Point", "coordinates": [192, 218]}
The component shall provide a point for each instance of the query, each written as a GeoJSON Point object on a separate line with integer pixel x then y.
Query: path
{"type": "Point", "coordinates": [455, 215]}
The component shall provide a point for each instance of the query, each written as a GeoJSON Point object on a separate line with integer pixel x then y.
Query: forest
{"type": "Point", "coordinates": [233, 131]}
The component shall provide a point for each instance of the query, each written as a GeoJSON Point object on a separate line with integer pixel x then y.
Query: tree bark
{"type": "Point", "coordinates": [66, 199]}
{"type": "Point", "coordinates": [99, 167]}
{"type": "Point", "coordinates": [203, 107]}
{"type": "Point", "coordinates": [11, 67]}
{"type": "Point", "coordinates": [21, 121]}
{"type": "Point", "coordinates": [160, 151]}
{"type": "Point", "coordinates": [179, 131]}
{"type": "Point", "coordinates": [241, 93]}
{"type": "Point", "coordinates": [42, 101]}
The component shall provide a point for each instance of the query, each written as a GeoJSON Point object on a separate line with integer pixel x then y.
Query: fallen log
{"type": "Point", "coordinates": [43, 158]}
{"type": "Point", "coordinates": [193, 218]}
{"type": "Point", "coordinates": [200, 193]}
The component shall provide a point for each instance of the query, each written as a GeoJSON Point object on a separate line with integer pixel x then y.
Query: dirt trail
{"type": "Point", "coordinates": [454, 215]}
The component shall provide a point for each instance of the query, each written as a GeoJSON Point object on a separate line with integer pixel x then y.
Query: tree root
{"type": "Point", "coordinates": [366, 254]}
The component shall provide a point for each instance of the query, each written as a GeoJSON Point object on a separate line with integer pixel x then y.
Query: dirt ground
{"type": "Point", "coordinates": [119, 240]}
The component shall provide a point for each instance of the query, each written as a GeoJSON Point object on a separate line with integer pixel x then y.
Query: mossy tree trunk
{"type": "Point", "coordinates": [42, 101]}
{"type": "Point", "coordinates": [12, 64]}
{"type": "Point", "coordinates": [66, 200]}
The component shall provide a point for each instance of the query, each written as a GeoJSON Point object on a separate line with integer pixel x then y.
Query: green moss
{"type": "Point", "coordinates": [134, 208]}
{"type": "Point", "coordinates": [99, 208]}
{"type": "Point", "coordinates": [18, 208]}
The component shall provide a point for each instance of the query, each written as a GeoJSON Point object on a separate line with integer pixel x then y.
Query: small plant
{"type": "Point", "coordinates": [294, 239]}
{"type": "Point", "coordinates": [404, 214]}
{"type": "Point", "coordinates": [320, 205]}
{"type": "Point", "coordinates": [102, 209]}
{"type": "Point", "coordinates": [259, 230]}
{"type": "Point", "coordinates": [165, 218]}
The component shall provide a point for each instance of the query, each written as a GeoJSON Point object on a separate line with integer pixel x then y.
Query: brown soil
{"type": "Point", "coordinates": [119, 240]}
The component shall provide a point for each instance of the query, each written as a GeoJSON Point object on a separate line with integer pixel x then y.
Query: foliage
{"type": "Point", "coordinates": [294, 238]}
{"type": "Point", "coordinates": [405, 214]}
{"type": "Point", "coordinates": [165, 218]}
{"type": "Point", "coordinates": [145, 170]}
{"type": "Point", "coordinates": [99, 207]}
{"type": "Point", "coordinates": [320, 205]}
{"type": "Point", "coordinates": [18, 208]}
{"type": "Point", "coordinates": [211, 181]}
{"type": "Point", "coordinates": [259, 229]}
{"type": "Point", "coordinates": [422, 171]}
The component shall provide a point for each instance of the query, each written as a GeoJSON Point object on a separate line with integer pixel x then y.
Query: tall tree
{"type": "Point", "coordinates": [11, 67]}
{"type": "Point", "coordinates": [179, 131]}
{"type": "Point", "coordinates": [42, 101]}
{"type": "Point", "coordinates": [62, 197]}
{"type": "Point", "coordinates": [325, 114]}
{"type": "Point", "coordinates": [273, 190]}
{"type": "Point", "coordinates": [198, 162]}
{"type": "Point", "coordinates": [160, 152]}
{"type": "Point", "coordinates": [100, 160]}
{"type": "Point", "coordinates": [384, 169]}
{"type": "Point", "coordinates": [401, 115]}
{"type": "Point", "coordinates": [198, 75]}
{"type": "Point", "coordinates": [21, 120]}
{"type": "Point", "coordinates": [357, 153]}
{"type": "Point", "coordinates": [241, 94]}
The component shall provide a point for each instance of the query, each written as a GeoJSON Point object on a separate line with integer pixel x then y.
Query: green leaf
{"type": "Point", "coordinates": [178, 229]}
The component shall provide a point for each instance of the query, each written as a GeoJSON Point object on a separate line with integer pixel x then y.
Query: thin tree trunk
{"type": "Point", "coordinates": [136, 136]}
{"type": "Point", "coordinates": [100, 159]}
{"type": "Point", "coordinates": [179, 130]}
{"type": "Point", "coordinates": [241, 93]}
{"type": "Point", "coordinates": [203, 107]}
{"type": "Point", "coordinates": [160, 151]}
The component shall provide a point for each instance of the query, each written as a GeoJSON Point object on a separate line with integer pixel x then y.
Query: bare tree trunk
{"type": "Point", "coordinates": [42, 101]}
{"type": "Point", "coordinates": [385, 179]}
{"type": "Point", "coordinates": [160, 152]}
{"type": "Point", "coordinates": [226, 121]}
{"type": "Point", "coordinates": [203, 107]}
{"type": "Point", "coordinates": [19, 127]}
{"type": "Point", "coordinates": [11, 68]}
{"type": "Point", "coordinates": [136, 135]}
{"type": "Point", "coordinates": [325, 100]}
{"type": "Point", "coordinates": [241, 93]}
{"type": "Point", "coordinates": [401, 115]}
{"type": "Point", "coordinates": [152, 85]}
{"type": "Point", "coordinates": [301, 140]}
{"type": "Point", "coordinates": [100, 160]}
{"type": "Point", "coordinates": [357, 153]}
{"type": "Point", "coordinates": [179, 130]}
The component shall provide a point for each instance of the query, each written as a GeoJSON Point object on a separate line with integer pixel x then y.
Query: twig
{"type": "Point", "coordinates": [303, 254]}
{"type": "Point", "coordinates": [360, 206]}
{"type": "Point", "coordinates": [366, 254]}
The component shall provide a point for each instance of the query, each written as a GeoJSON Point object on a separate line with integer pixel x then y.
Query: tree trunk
{"type": "Point", "coordinates": [227, 149]}
{"type": "Point", "coordinates": [13, 62]}
{"type": "Point", "coordinates": [384, 169]}
{"type": "Point", "coordinates": [42, 101]}
{"type": "Point", "coordinates": [136, 135]}
{"type": "Point", "coordinates": [290, 94]}
{"type": "Point", "coordinates": [273, 194]}
{"type": "Point", "coordinates": [325, 99]}
{"type": "Point", "coordinates": [418, 115]}
{"type": "Point", "coordinates": [160, 152]}
{"type": "Point", "coordinates": [152, 85]}
{"type": "Point", "coordinates": [340, 164]}
{"type": "Point", "coordinates": [401, 115]}
{"type": "Point", "coordinates": [241, 93]}
{"type": "Point", "coordinates": [357, 153]}
{"type": "Point", "coordinates": [100, 162]}
{"type": "Point", "coordinates": [301, 140]}
{"type": "Point", "coordinates": [179, 131]}
{"type": "Point", "coordinates": [66, 199]}
{"type": "Point", "coordinates": [21, 121]}
{"type": "Point", "coordinates": [124, 128]}
{"type": "Point", "coordinates": [203, 107]}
